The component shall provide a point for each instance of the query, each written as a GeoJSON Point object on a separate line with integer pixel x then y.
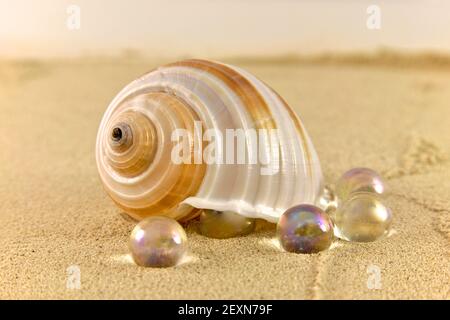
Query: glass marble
{"type": "Point", "coordinates": [158, 242]}
{"type": "Point", "coordinates": [359, 180]}
{"type": "Point", "coordinates": [328, 200]}
{"type": "Point", "coordinates": [362, 218]}
{"type": "Point", "coordinates": [305, 229]}
{"type": "Point", "coordinates": [222, 225]}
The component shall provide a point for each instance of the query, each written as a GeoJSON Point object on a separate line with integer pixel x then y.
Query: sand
{"type": "Point", "coordinates": [54, 213]}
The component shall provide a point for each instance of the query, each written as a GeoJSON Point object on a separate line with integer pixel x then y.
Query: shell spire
{"type": "Point", "coordinates": [216, 109]}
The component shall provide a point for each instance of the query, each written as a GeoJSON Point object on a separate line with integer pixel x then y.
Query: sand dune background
{"type": "Point", "coordinates": [385, 111]}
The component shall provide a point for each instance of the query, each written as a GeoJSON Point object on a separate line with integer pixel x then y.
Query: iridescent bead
{"type": "Point", "coordinates": [305, 229]}
{"type": "Point", "coordinates": [222, 225]}
{"type": "Point", "coordinates": [362, 218]}
{"type": "Point", "coordinates": [158, 242]}
{"type": "Point", "coordinates": [359, 180]}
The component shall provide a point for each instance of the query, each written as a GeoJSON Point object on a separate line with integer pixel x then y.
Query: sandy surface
{"type": "Point", "coordinates": [54, 213]}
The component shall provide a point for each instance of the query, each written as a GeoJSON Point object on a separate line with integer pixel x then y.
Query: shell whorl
{"type": "Point", "coordinates": [134, 145]}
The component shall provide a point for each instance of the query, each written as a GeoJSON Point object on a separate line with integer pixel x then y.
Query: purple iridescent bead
{"type": "Point", "coordinates": [305, 229]}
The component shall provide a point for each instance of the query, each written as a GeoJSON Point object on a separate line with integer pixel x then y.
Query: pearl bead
{"type": "Point", "coordinates": [359, 180]}
{"type": "Point", "coordinates": [305, 229]}
{"type": "Point", "coordinates": [362, 218]}
{"type": "Point", "coordinates": [158, 242]}
{"type": "Point", "coordinates": [222, 225]}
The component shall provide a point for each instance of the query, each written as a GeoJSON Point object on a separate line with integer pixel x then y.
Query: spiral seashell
{"type": "Point", "coordinates": [135, 145]}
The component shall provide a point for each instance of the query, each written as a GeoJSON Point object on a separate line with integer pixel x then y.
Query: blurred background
{"type": "Point", "coordinates": [206, 28]}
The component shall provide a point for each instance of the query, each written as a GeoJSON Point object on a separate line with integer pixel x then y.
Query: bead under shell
{"type": "Point", "coordinates": [222, 225]}
{"type": "Point", "coordinates": [134, 145]}
{"type": "Point", "coordinates": [328, 200]}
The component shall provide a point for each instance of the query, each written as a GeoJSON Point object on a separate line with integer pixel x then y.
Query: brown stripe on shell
{"type": "Point", "coordinates": [244, 89]}
{"type": "Point", "coordinates": [253, 101]}
{"type": "Point", "coordinates": [190, 177]}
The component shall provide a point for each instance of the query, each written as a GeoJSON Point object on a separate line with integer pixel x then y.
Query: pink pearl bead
{"type": "Point", "coordinates": [158, 242]}
{"type": "Point", "coordinates": [359, 180]}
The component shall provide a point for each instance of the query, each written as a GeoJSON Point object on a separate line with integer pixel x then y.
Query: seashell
{"type": "Point", "coordinates": [135, 145]}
